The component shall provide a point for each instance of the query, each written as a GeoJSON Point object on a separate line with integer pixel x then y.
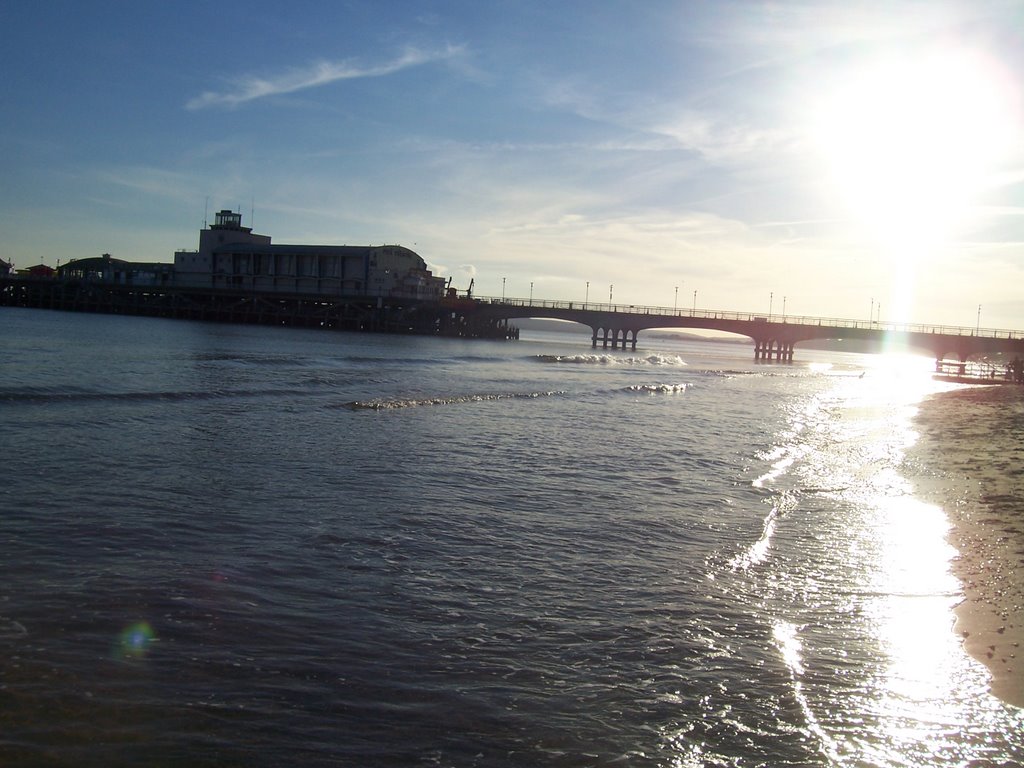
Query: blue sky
{"type": "Point", "coordinates": [826, 158]}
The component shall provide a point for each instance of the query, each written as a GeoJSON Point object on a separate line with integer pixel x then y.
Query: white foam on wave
{"type": "Point", "coordinates": [778, 468]}
{"type": "Point", "coordinates": [607, 359]}
{"type": "Point", "coordinates": [657, 389]}
{"type": "Point", "coordinates": [757, 552]}
{"type": "Point", "coordinates": [386, 405]}
{"type": "Point", "coordinates": [786, 638]}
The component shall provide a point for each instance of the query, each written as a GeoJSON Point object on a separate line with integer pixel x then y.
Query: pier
{"type": "Point", "coordinates": [774, 336]}
{"type": "Point", "coordinates": [378, 314]}
{"type": "Point", "coordinates": [614, 326]}
{"type": "Point", "coordinates": [239, 276]}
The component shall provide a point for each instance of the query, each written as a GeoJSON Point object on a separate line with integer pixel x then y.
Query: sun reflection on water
{"type": "Point", "coordinates": [929, 692]}
{"type": "Point", "coordinates": [915, 619]}
{"type": "Point", "coordinates": [925, 692]}
{"type": "Point", "coordinates": [854, 574]}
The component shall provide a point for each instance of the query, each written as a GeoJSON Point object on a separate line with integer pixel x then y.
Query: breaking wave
{"type": "Point", "coordinates": [414, 402]}
{"type": "Point", "coordinates": [605, 359]}
{"type": "Point", "coordinates": [656, 389]}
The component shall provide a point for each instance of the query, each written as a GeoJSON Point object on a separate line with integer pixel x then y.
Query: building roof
{"type": "Point", "coordinates": [94, 262]}
{"type": "Point", "coordinates": [105, 262]}
{"type": "Point", "coordinates": [311, 250]}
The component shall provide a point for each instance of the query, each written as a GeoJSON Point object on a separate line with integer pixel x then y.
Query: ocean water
{"type": "Point", "coordinates": [229, 545]}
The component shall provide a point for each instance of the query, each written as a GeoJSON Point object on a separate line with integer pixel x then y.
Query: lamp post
{"type": "Point", "coordinates": [694, 304]}
{"type": "Point", "coordinates": [503, 289]}
{"type": "Point", "coordinates": [783, 307]}
{"type": "Point", "coordinates": [610, 287]}
{"type": "Point", "coordinates": [531, 293]}
{"type": "Point", "coordinates": [586, 297]}
{"type": "Point", "coordinates": [771, 298]}
{"type": "Point", "coordinates": [977, 328]}
{"type": "Point", "coordinates": [675, 304]}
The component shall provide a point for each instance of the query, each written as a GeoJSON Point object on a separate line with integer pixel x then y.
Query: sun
{"type": "Point", "coordinates": [910, 140]}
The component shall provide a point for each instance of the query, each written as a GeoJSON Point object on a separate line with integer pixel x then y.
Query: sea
{"type": "Point", "coordinates": [227, 545]}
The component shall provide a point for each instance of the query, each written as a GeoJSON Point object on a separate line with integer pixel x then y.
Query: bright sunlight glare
{"type": "Point", "coordinates": [910, 141]}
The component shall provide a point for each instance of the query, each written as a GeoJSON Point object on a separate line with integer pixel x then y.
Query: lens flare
{"type": "Point", "coordinates": [135, 640]}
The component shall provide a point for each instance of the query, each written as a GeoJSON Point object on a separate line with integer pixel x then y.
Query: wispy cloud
{"type": "Point", "coordinates": [148, 180]}
{"type": "Point", "coordinates": [250, 88]}
{"type": "Point", "coordinates": [722, 134]}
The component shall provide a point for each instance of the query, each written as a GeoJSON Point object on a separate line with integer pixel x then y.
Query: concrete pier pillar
{"type": "Point", "coordinates": [771, 350]}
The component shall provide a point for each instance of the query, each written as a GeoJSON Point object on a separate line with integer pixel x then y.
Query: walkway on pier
{"type": "Point", "coordinates": [613, 325]}
{"type": "Point", "coordinates": [774, 336]}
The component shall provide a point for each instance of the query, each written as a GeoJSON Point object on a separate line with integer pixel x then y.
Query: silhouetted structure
{"type": "Point", "coordinates": [239, 276]}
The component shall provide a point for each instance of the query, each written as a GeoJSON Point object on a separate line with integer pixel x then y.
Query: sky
{"type": "Point", "coordinates": [821, 159]}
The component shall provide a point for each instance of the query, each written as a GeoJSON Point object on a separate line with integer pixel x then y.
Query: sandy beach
{"type": "Point", "coordinates": [970, 461]}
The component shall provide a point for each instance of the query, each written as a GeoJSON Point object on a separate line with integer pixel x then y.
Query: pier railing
{"type": "Point", "coordinates": [715, 314]}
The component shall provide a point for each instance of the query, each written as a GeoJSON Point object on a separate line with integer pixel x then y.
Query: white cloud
{"type": "Point", "coordinates": [721, 140]}
{"type": "Point", "coordinates": [251, 87]}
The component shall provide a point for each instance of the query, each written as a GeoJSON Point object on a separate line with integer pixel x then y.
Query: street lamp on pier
{"type": "Point", "coordinates": [503, 289]}
{"type": "Point", "coordinates": [771, 298]}
{"type": "Point", "coordinates": [675, 304]}
{"type": "Point", "coordinates": [586, 296]}
{"type": "Point", "coordinates": [531, 293]}
{"type": "Point", "coordinates": [694, 303]}
{"type": "Point", "coordinates": [610, 287]}
{"type": "Point", "coordinates": [783, 306]}
{"type": "Point", "coordinates": [977, 328]}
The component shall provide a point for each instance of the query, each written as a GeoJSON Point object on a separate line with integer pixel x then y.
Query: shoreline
{"type": "Point", "coordinates": [990, 618]}
{"type": "Point", "coordinates": [968, 462]}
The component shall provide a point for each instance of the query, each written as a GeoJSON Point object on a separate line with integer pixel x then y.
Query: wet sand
{"type": "Point", "coordinates": [970, 461]}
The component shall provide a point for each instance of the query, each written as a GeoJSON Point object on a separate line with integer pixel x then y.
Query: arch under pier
{"type": "Point", "coordinates": [774, 337]}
